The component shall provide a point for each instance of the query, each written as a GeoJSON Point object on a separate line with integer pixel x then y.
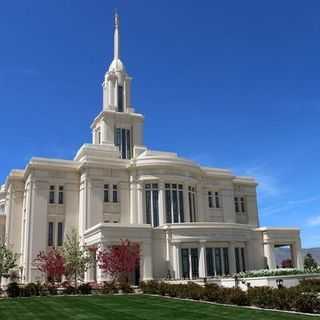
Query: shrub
{"type": "Point", "coordinates": [85, 288]}
{"type": "Point", "coordinates": [109, 287]}
{"type": "Point", "coordinates": [152, 287]}
{"type": "Point", "coordinates": [213, 293]}
{"type": "Point", "coordinates": [235, 296]}
{"type": "Point", "coordinates": [261, 297]}
{"type": "Point", "coordinates": [13, 290]}
{"type": "Point", "coordinates": [68, 288]}
{"type": "Point", "coordinates": [30, 289]}
{"type": "Point", "coordinates": [307, 303]}
{"type": "Point", "coordinates": [125, 287]}
{"type": "Point", "coordinates": [310, 285]}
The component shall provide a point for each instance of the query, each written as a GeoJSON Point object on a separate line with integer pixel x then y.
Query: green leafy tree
{"type": "Point", "coordinates": [8, 261]}
{"type": "Point", "coordinates": [77, 258]}
{"type": "Point", "coordinates": [309, 262]}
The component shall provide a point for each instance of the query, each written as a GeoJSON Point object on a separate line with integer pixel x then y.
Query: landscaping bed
{"type": "Point", "coordinates": [302, 298]}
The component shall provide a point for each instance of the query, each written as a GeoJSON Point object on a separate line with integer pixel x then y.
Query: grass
{"type": "Point", "coordinates": [123, 307]}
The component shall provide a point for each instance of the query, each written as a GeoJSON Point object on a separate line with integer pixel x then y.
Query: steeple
{"type": "Point", "coordinates": [116, 64]}
{"type": "Point", "coordinates": [118, 125]}
{"type": "Point", "coordinates": [116, 41]}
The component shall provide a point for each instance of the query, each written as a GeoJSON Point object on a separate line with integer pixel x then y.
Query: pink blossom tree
{"type": "Point", "coordinates": [119, 261]}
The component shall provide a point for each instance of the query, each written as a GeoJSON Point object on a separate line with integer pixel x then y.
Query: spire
{"type": "Point", "coordinates": [116, 36]}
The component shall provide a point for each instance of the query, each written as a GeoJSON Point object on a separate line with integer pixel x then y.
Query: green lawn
{"type": "Point", "coordinates": [125, 308]}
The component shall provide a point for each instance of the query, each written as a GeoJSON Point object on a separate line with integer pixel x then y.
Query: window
{"type": "Point", "coordinates": [217, 199]}
{"type": "Point", "coordinates": [106, 193]}
{"type": "Point", "coordinates": [60, 198]}
{"type": "Point", "coordinates": [217, 256]}
{"type": "Point", "coordinates": [194, 263]}
{"type": "Point", "coordinates": [210, 202]}
{"type": "Point", "coordinates": [60, 234]}
{"type": "Point", "coordinates": [192, 204]}
{"type": "Point", "coordinates": [51, 194]}
{"type": "Point", "coordinates": [174, 203]}
{"type": "Point", "coordinates": [217, 261]}
{"type": "Point", "coordinates": [226, 260]}
{"type": "Point", "coordinates": [122, 139]}
{"type": "Point", "coordinates": [214, 200]}
{"type": "Point", "coordinates": [99, 136]}
{"type": "Point", "coordinates": [152, 204]}
{"type": "Point", "coordinates": [50, 234]}
{"type": "Point", "coordinates": [242, 204]}
{"type": "Point", "coordinates": [115, 193]}
{"type": "Point", "coordinates": [238, 268]}
{"type": "Point", "coordinates": [236, 204]}
{"type": "Point", "coordinates": [120, 99]}
{"type": "Point", "coordinates": [185, 263]}
{"type": "Point", "coordinates": [210, 263]}
{"type": "Point", "coordinates": [243, 260]}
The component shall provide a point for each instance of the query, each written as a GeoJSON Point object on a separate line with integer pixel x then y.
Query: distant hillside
{"type": "Point", "coordinates": [284, 253]}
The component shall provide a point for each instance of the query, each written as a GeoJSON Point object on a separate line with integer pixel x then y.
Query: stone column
{"type": "Point", "coordinates": [162, 206]}
{"type": "Point", "coordinates": [297, 255]}
{"type": "Point", "coordinates": [269, 253]}
{"type": "Point", "coordinates": [202, 260]}
{"type": "Point", "coordinates": [140, 211]}
{"type": "Point", "coordinates": [103, 129]}
{"type": "Point", "coordinates": [146, 261]}
{"type": "Point", "coordinates": [176, 261]}
{"type": "Point", "coordinates": [232, 258]}
{"type": "Point", "coordinates": [199, 204]}
{"type": "Point", "coordinates": [186, 203]}
{"type": "Point", "coordinates": [133, 200]}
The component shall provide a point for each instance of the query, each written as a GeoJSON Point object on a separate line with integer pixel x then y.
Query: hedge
{"type": "Point", "coordinates": [294, 299]}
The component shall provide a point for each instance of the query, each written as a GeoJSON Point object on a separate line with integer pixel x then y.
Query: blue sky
{"type": "Point", "coordinates": [231, 84]}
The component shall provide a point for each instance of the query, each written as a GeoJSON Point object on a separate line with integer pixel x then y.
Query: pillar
{"type": "Point", "coordinates": [202, 260]}
{"type": "Point", "coordinates": [176, 261]}
{"type": "Point", "coordinates": [140, 211]}
{"type": "Point", "coordinates": [146, 261]}
{"type": "Point", "coordinates": [297, 255]}
{"type": "Point", "coordinates": [162, 206]}
{"type": "Point", "coordinates": [269, 253]}
{"type": "Point", "coordinates": [232, 258]}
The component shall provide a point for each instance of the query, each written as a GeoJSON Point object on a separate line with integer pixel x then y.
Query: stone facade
{"type": "Point", "coordinates": [191, 221]}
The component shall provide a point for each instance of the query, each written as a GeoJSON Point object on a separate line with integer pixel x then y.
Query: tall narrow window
{"type": "Point", "coordinates": [243, 259]}
{"type": "Point", "coordinates": [60, 234]}
{"type": "Point", "coordinates": [242, 204]}
{"type": "Point", "coordinates": [50, 234]}
{"type": "Point", "coordinates": [120, 99]}
{"type": "Point", "coordinates": [217, 199]}
{"type": "Point", "coordinates": [210, 201]}
{"type": "Point", "coordinates": [61, 198]}
{"type": "Point", "coordinates": [236, 204]}
{"type": "Point", "coordinates": [99, 136]}
{"type": "Point", "coordinates": [237, 254]}
{"type": "Point", "coordinates": [192, 204]}
{"type": "Point", "coordinates": [217, 255]}
{"type": "Point", "coordinates": [115, 193]}
{"type": "Point", "coordinates": [185, 263]}
{"type": "Point", "coordinates": [226, 260]}
{"type": "Point", "coordinates": [174, 203]}
{"type": "Point", "coordinates": [106, 193]}
{"type": "Point", "coordinates": [210, 262]}
{"type": "Point", "coordinates": [194, 263]}
{"type": "Point", "coordinates": [52, 194]}
{"type": "Point", "coordinates": [152, 204]}
{"type": "Point", "coordinates": [122, 139]}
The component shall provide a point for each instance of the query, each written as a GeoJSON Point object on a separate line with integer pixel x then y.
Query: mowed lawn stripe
{"type": "Point", "coordinates": [124, 307]}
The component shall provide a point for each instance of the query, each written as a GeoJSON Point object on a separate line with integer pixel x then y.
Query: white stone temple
{"type": "Point", "coordinates": [191, 221]}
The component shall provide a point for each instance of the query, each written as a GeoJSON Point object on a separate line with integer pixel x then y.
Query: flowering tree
{"type": "Point", "coordinates": [120, 260]}
{"type": "Point", "coordinates": [287, 263]}
{"type": "Point", "coordinates": [77, 258]}
{"type": "Point", "coordinates": [7, 261]}
{"type": "Point", "coordinates": [52, 264]}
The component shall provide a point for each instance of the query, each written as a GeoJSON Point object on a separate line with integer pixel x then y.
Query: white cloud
{"type": "Point", "coordinates": [314, 221]}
